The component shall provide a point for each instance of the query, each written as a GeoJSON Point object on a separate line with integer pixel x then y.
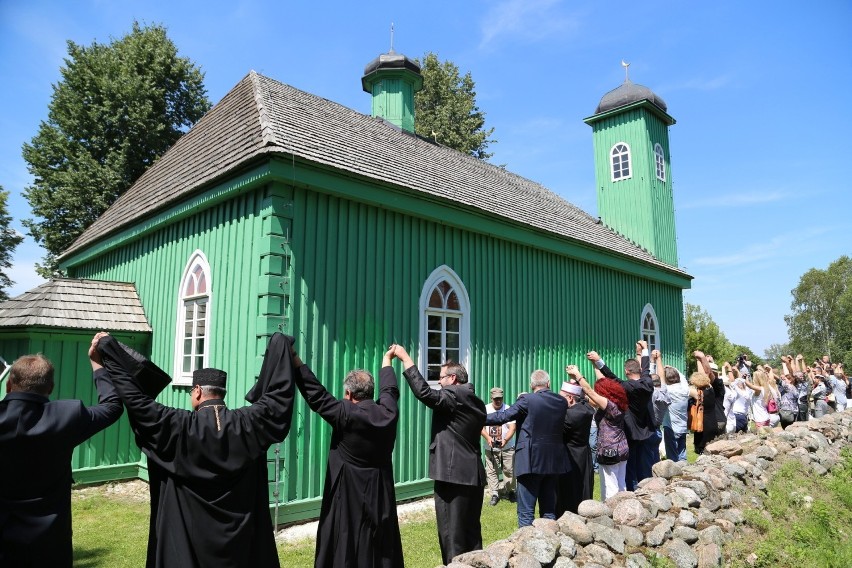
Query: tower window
{"type": "Point", "coordinates": [620, 155]}
{"type": "Point", "coordinates": [660, 161]}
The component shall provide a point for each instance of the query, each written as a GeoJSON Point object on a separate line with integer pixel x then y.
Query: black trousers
{"type": "Point", "coordinates": [457, 510]}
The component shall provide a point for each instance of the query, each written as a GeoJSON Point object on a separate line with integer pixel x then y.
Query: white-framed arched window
{"type": "Point", "coordinates": [444, 323]}
{"type": "Point", "coordinates": [192, 341]}
{"type": "Point", "coordinates": [660, 162]}
{"type": "Point", "coordinates": [620, 156]}
{"type": "Point", "coordinates": [650, 327]}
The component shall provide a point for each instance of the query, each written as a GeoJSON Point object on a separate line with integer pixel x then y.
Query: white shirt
{"type": "Point", "coordinates": [489, 408]}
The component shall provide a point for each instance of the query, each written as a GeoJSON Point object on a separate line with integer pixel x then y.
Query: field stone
{"type": "Point", "coordinates": [726, 448]}
{"type": "Point", "coordinates": [455, 564]}
{"type": "Point", "coordinates": [591, 508]}
{"type": "Point", "coordinates": [577, 530]}
{"type": "Point", "coordinates": [542, 546]}
{"type": "Point", "coordinates": [481, 559]}
{"type": "Point", "coordinates": [637, 560]}
{"type": "Point", "coordinates": [681, 554]}
{"type": "Point", "coordinates": [564, 562]}
{"type": "Point", "coordinates": [726, 525]}
{"type": "Point", "coordinates": [666, 469]}
{"type": "Point", "coordinates": [601, 522]}
{"type": "Point", "coordinates": [599, 554]}
{"type": "Point", "coordinates": [630, 512]}
{"type": "Point", "coordinates": [632, 535]}
{"type": "Point", "coordinates": [687, 534]}
{"type": "Point", "coordinates": [567, 546]}
{"type": "Point", "coordinates": [653, 484]}
{"type": "Point", "coordinates": [734, 515]}
{"type": "Point", "coordinates": [713, 534]}
{"type": "Point", "coordinates": [501, 549]}
{"type": "Point", "coordinates": [661, 501]}
{"type": "Point", "coordinates": [684, 497]}
{"type": "Point", "coordinates": [523, 560]}
{"type": "Point", "coordinates": [548, 525]}
{"type": "Point", "coordinates": [709, 556]}
{"type": "Point", "coordinates": [611, 502]}
{"type": "Point", "coordinates": [613, 538]}
{"type": "Point", "coordinates": [659, 534]}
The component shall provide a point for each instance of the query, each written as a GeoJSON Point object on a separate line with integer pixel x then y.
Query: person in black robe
{"type": "Point", "coordinates": [358, 525]}
{"type": "Point", "coordinates": [37, 439]}
{"type": "Point", "coordinates": [207, 467]}
{"type": "Point", "coordinates": [578, 484]}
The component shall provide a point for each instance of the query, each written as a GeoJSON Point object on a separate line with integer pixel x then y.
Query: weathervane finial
{"type": "Point", "coordinates": [391, 49]}
{"type": "Point", "coordinates": [626, 74]}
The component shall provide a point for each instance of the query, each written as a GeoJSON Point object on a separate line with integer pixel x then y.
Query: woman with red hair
{"type": "Point", "coordinates": [610, 400]}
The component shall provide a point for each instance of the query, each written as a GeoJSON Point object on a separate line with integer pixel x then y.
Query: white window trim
{"type": "Point", "coordinates": [629, 162]}
{"type": "Point", "coordinates": [444, 272]}
{"type": "Point", "coordinates": [659, 158]}
{"type": "Point", "coordinates": [649, 309]}
{"type": "Point", "coordinates": [199, 258]}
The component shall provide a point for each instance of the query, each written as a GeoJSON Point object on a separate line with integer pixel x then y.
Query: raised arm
{"type": "Point", "coordinates": [600, 365]}
{"type": "Point", "coordinates": [599, 400]}
{"type": "Point", "coordinates": [440, 400]}
{"type": "Point", "coordinates": [109, 408]}
{"type": "Point", "coordinates": [703, 363]}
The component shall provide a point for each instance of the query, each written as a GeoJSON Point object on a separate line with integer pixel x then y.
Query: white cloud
{"type": "Point", "coordinates": [527, 20]}
{"type": "Point", "coordinates": [777, 247]}
{"type": "Point", "coordinates": [738, 199]}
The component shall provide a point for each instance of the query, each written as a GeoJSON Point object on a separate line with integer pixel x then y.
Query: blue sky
{"type": "Point", "coordinates": [760, 91]}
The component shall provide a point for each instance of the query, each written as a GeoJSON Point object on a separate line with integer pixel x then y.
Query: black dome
{"type": "Point", "coordinates": [629, 93]}
{"type": "Point", "coordinates": [391, 60]}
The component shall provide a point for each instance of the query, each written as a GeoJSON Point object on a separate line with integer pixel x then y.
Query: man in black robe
{"type": "Point", "coordinates": [358, 526]}
{"type": "Point", "coordinates": [455, 461]}
{"type": "Point", "coordinates": [207, 467]}
{"type": "Point", "coordinates": [37, 438]}
{"type": "Point", "coordinates": [578, 484]}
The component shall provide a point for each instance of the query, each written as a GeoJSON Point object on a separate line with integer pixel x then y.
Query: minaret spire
{"type": "Point", "coordinates": [626, 73]}
{"type": "Point", "coordinates": [391, 49]}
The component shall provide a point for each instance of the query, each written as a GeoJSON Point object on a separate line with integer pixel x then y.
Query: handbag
{"type": "Point", "coordinates": [696, 414]}
{"type": "Point", "coordinates": [772, 406]}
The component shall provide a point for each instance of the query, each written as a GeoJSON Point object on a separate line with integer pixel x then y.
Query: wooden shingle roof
{"type": "Point", "coordinates": [77, 304]}
{"type": "Point", "coordinates": [263, 116]}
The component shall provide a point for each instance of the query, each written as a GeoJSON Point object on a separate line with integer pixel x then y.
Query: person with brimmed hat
{"type": "Point", "coordinates": [579, 483]}
{"type": "Point", "coordinates": [499, 452]}
{"type": "Point", "coordinates": [207, 466]}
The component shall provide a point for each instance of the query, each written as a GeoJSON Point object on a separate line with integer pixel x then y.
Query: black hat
{"type": "Point", "coordinates": [209, 378]}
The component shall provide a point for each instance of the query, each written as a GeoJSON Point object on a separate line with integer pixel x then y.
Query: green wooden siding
{"type": "Point", "coordinates": [640, 207]}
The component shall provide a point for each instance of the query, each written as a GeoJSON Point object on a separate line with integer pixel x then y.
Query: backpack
{"type": "Point", "coordinates": [695, 420]}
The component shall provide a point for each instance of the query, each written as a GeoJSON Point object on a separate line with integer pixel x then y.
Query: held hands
{"type": "Point", "coordinates": [656, 355]}
{"type": "Point", "coordinates": [593, 356]}
{"type": "Point", "coordinates": [94, 353]}
{"type": "Point", "coordinates": [640, 346]}
{"type": "Point", "coordinates": [574, 371]}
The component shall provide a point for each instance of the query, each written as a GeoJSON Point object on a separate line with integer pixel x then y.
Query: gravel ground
{"type": "Point", "coordinates": [137, 491]}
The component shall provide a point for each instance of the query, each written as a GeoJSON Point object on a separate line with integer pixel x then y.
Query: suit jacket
{"type": "Point", "coordinates": [37, 437]}
{"type": "Point", "coordinates": [539, 447]}
{"type": "Point", "coordinates": [639, 420]}
{"type": "Point", "coordinates": [458, 416]}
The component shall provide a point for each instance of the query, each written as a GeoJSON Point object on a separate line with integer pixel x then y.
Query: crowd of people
{"type": "Point", "coordinates": [207, 466]}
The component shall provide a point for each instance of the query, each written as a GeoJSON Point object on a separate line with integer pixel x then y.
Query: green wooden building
{"type": "Point", "coordinates": [283, 211]}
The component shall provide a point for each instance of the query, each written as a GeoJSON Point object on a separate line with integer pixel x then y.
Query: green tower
{"type": "Point", "coordinates": [632, 168]}
{"type": "Point", "coordinates": [392, 79]}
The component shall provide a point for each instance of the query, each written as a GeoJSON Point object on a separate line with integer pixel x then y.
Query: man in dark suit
{"type": "Point", "coordinates": [358, 524]}
{"type": "Point", "coordinates": [540, 454]}
{"type": "Point", "coordinates": [455, 461]}
{"type": "Point", "coordinates": [37, 438]}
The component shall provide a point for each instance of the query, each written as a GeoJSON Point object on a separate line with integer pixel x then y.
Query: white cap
{"type": "Point", "coordinates": [571, 389]}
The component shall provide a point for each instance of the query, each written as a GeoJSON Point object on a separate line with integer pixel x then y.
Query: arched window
{"type": "Point", "coordinates": [660, 161]}
{"type": "Point", "coordinates": [620, 155]}
{"type": "Point", "coordinates": [193, 319]}
{"type": "Point", "coordinates": [444, 323]}
{"type": "Point", "coordinates": [650, 328]}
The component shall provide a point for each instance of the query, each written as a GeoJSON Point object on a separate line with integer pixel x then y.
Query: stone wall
{"type": "Point", "coordinates": [685, 513]}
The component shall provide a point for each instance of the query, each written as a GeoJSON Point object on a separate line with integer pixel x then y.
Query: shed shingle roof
{"type": "Point", "coordinates": [77, 304]}
{"type": "Point", "coordinates": [263, 116]}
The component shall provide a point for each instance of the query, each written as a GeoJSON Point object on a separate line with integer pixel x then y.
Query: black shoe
{"type": "Point", "coordinates": [512, 497]}
{"type": "Point", "coordinates": [494, 500]}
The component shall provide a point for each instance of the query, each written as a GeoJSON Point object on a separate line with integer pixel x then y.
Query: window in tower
{"type": "Point", "coordinates": [660, 161]}
{"type": "Point", "coordinates": [620, 155]}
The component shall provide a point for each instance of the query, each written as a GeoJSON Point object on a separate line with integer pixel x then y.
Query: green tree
{"type": "Point", "coordinates": [445, 108]}
{"type": "Point", "coordinates": [772, 354]}
{"type": "Point", "coordinates": [822, 312]}
{"type": "Point", "coordinates": [9, 240]}
{"type": "Point", "coordinates": [116, 109]}
{"type": "Point", "coordinates": [701, 333]}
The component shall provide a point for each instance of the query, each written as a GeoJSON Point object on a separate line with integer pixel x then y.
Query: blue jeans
{"type": "Point", "coordinates": [534, 487]}
{"type": "Point", "coordinates": [639, 461]}
{"type": "Point", "coordinates": [593, 445]}
{"type": "Point", "coordinates": [675, 444]}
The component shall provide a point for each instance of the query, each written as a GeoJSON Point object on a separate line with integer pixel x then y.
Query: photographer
{"type": "Point", "coordinates": [499, 452]}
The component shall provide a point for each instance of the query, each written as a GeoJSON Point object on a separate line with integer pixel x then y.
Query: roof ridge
{"type": "Point", "coordinates": [266, 131]}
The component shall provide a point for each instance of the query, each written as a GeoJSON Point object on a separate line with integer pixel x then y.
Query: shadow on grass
{"type": "Point", "coordinates": [89, 557]}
